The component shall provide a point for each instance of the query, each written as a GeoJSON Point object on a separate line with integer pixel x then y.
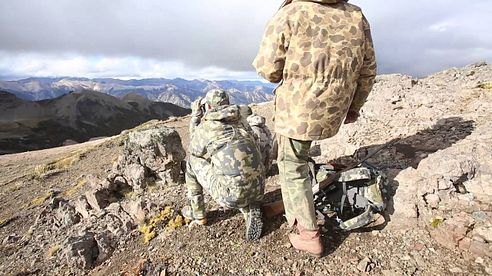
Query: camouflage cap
{"type": "Point", "coordinates": [217, 97]}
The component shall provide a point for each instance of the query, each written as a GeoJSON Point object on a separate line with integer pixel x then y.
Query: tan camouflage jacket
{"type": "Point", "coordinates": [322, 51]}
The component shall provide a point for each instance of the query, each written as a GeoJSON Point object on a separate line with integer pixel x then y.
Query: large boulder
{"type": "Point", "coordinates": [81, 251]}
{"type": "Point", "coordinates": [150, 155]}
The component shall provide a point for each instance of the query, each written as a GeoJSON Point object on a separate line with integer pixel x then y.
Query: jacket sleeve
{"type": "Point", "coordinates": [270, 61]}
{"type": "Point", "coordinates": [198, 142]}
{"type": "Point", "coordinates": [196, 114]}
{"type": "Point", "coordinates": [367, 73]}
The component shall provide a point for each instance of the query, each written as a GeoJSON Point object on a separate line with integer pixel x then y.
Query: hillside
{"type": "Point", "coordinates": [27, 125]}
{"type": "Point", "coordinates": [85, 209]}
{"type": "Point", "coordinates": [180, 92]}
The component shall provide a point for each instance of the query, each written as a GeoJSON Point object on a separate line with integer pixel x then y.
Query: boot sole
{"type": "Point", "coordinates": [254, 224]}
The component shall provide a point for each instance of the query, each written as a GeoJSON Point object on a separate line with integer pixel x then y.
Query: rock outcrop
{"type": "Point", "coordinates": [149, 155]}
{"type": "Point", "coordinates": [90, 228]}
{"type": "Point", "coordinates": [440, 166]}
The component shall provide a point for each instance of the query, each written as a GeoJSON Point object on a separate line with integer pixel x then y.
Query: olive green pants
{"type": "Point", "coordinates": [295, 181]}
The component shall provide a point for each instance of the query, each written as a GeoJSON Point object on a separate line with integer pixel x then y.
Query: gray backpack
{"type": "Point", "coordinates": [354, 198]}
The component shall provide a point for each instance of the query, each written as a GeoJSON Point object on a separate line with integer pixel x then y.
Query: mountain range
{"type": "Point", "coordinates": [178, 91]}
{"type": "Point", "coordinates": [30, 125]}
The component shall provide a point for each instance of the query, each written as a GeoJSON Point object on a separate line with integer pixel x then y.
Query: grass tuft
{"type": "Point", "coordinates": [73, 190]}
{"type": "Point", "coordinates": [53, 250]}
{"type": "Point", "coordinates": [41, 171]}
{"type": "Point", "coordinates": [5, 220]}
{"type": "Point", "coordinates": [40, 200]}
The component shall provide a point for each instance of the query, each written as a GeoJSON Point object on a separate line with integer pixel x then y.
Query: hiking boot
{"type": "Point", "coordinates": [254, 223]}
{"type": "Point", "coordinates": [307, 241]}
{"type": "Point", "coordinates": [188, 214]}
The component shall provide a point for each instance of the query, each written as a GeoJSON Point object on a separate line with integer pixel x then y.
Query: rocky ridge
{"type": "Point", "coordinates": [440, 166]}
{"type": "Point", "coordinates": [123, 219]}
{"type": "Point", "coordinates": [83, 232]}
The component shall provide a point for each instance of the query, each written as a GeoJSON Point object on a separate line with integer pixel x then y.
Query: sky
{"type": "Point", "coordinates": [218, 39]}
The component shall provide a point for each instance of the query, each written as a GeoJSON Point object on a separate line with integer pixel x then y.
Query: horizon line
{"type": "Point", "coordinates": [19, 78]}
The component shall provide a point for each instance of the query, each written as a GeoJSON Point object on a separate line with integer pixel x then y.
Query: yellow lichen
{"type": "Point", "coordinates": [152, 187]}
{"type": "Point", "coordinates": [53, 250]}
{"type": "Point", "coordinates": [147, 229]}
{"type": "Point", "coordinates": [436, 222]}
{"type": "Point", "coordinates": [41, 199]}
{"type": "Point", "coordinates": [175, 223]}
{"type": "Point", "coordinates": [130, 194]}
{"type": "Point", "coordinates": [485, 85]}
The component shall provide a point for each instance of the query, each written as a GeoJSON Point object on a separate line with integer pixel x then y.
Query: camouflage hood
{"type": "Point", "coordinates": [228, 113]}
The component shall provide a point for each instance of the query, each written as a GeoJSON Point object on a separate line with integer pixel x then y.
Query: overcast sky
{"type": "Point", "coordinates": [218, 39]}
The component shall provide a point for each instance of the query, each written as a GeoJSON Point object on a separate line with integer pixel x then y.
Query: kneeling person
{"type": "Point", "coordinates": [224, 159]}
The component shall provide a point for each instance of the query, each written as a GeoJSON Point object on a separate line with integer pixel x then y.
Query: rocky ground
{"type": "Point", "coordinates": [110, 207]}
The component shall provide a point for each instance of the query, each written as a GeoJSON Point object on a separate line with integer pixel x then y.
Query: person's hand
{"type": "Point", "coordinates": [196, 107]}
{"type": "Point", "coordinates": [352, 117]}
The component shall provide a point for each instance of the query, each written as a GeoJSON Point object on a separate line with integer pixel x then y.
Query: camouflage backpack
{"type": "Point", "coordinates": [354, 198]}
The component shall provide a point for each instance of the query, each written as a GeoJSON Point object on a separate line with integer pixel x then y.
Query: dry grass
{"type": "Point", "coordinates": [41, 171]}
{"type": "Point", "coordinates": [73, 190]}
{"type": "Point", "coordinates": [41, 199]}
{"type": "Point", "coordinates": [5, 220]}
{"type": "Point", "coordinates": [53, 250]}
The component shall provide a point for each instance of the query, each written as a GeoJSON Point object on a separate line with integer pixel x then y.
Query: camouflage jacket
{"type": "Point", "coordinates": [322, 51]}
{"type": "Point", "coordinates": [225, 140]}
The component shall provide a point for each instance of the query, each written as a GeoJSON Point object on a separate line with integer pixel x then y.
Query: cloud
{"type": "Point", "coordinates": [218, 38]}
{"type": "Point", "coordinates": [420, 37]}
{"type": "Point", "coordinates": [42, 65]}
{"type": "Point", "coordinates": [194, 32]}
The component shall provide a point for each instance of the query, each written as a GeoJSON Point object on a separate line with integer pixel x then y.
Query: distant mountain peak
{"type": "Point", "coordinates": [178, 91]}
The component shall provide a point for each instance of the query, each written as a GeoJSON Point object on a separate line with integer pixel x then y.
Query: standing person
{"type": "Point", "coordinates": [224, 159]}
{"type": "Point", "coordinates": [322, 51]}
